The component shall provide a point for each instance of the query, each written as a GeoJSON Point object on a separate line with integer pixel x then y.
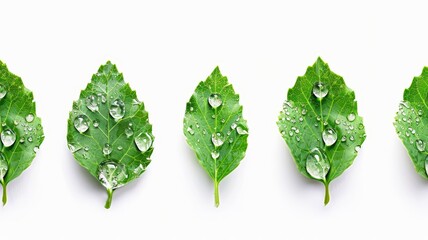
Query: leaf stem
{"type": "Point", "coordinates": [327, 194]}
{"type": "Point", "coordinates": [109, 198]}
{"type": "Point", "coordinates": [216, 194]}
{"type": "Point", "coordinates": [4, 199]}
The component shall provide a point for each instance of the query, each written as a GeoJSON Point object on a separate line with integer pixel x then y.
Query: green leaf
{"type": "Point", "coordinates": [411, 121]}
{"type": "Point", "coordinates": [109, 132]}
{"type": "Point", "coordinates": [21, 130]}
{"type": "Point", "coordinates": [320, 124]}
{"type": "Point", "coordinates": [214, 128]}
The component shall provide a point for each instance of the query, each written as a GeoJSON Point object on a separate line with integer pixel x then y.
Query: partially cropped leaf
{"type": "Point", "coordinates": [320, 124]}
{"type": "Point", "coordinates": [411, 122]}
{"type": "Point", "coordinates": [21, 130]}
{"type": "Point", "coordinates": [214, 128]}
{"type": "Point", "coordinates": [109, 132]}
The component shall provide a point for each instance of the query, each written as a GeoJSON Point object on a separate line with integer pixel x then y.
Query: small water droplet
{"type": "Point", "coordinates": [101, 98]}
{"type": "Point", "coordinates": [140, 169]}
{"type": "Point", "coordinates": [230, 140]}
{"type": "Point", "coordinates": [36, 149]}
{"type": "Point", "coordinates": [215, 154]}
{"type": "Point", "coordinates": [81, 123]}
{"type": "Point", "coordinates": [120, 148]}
{"type": "Point", "coordinates": [317, 164]}
{"type": "Point", "coordinates": [215, 100]}
{"type": "Point", "coordinates": [233, 126]}
{"type": "Point", "coordinates": [217, 139]}
{"type": "Point", "coordinates": [117, 109]}
{"type": "Point", "coordinates": [337, 121]}
{"type": "Point", "coordinates": [190, 130]}
{"type": "Point", "coordinates": [352, 138]}
{"type": "Point", "coordinates": [343, 138]}
{"type": "Point", "coordinates": [112, 174]}
{"type": "Point", "coordinates": [351, 117]}
{"type": "Point", "coordinates": [3, 91]}
{"type": "Point", "coordinates": [8, 137]}
{"type": "Point", "coordinates": [191, 109]}
{"type": "Point", "coordinates": [329, 136]}
{"type": "Point", "coordinates": [3, 166]}
{"type": "Point", "coordinates": [96, 123]}
{"type": "Point", "coordinates": [357, 148]}
{"type": "Point", "coordinates": [107, 149]}
{"type": "Point", "coordinates": [143, 142]}
{"type": "Point", "coordinates": [22, 140]}
{"type": "Point", "coordinates": [420, 145]}
{"type": "Point", "coordinates": [92, 103]}
{"type": "Point", "coordinates": [320, 90]}
{"type": "Point", "coordinates": [29, 118]}
{"type": "Point", "coordinates": [129, 131]}
{"type": "Point", "coordinates": [30, 139]}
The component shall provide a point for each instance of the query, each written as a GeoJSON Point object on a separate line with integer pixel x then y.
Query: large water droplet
{"type": "Point", "coordinates": [3, 166]}
{"type": "Point", "coordinates": [8, 137]}
{"type": "Point", "coordinates": [241, 130]}
{"type": "Point", "coordinates": [329, 136]}
{"type": "Point", "coordinates": [117, 109]}
{"type": "Point", "coordinates": [420, 145]}
{"type": "Point", "coordinates": [107, 149]}
{"type": "Point", "coordinates": [351, 117]}
{"type": "Point", "coordinates": [317, 164]}
{"type": "Point", "coordinates": [320, 90]}
{"type": "Point", "coordinates": [143, 141]}
{"type": "Point", "coordinates": [217, 139]}
{"type": "Point", "coordinates": [92, 103]}
{"type": "Point", "coordinates": [3, 91]}
{"type": "Point", "coordinates": [112, 174]}
{"type": "Point", "coordinates": [215, 100]}
{"type": "Point", "coordinates": [81, 123]}
{"type": "Point", "coordinates": [29, 118]}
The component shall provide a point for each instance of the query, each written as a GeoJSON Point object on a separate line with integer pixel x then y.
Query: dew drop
{"type": "Point", "coordinates": [117, 109]}
{"type": "Point", "coordinates": [215, 100]}
{"type": "Point", "coordinates": [217, 139]}
{"type": "Point", "coordinates": [215, 154]}
{"type": "Point", "coordinates": [3, 91]}
{"type": "Point", "coordinates": [29, 118]}
{"type": "Point", "coordinates": [112, 174]}
{"type": "Point", "coordinates": [351, 117]}
{"type": "Point", "coordinates": [129, 131]}
{"type": "Point", "coordinates": [107, 149]}
{"type": "Point", "coordinates": [357, 148]}
{"type": "Point", "coordinates": [8, 137]}
{"type": "Point", "coordinates": [143, 142]}
{"type": "Point", "coordinates": [426, 165]}
{"type": "Point", "coordinates": [233, 126]}
{"type": "Point", "coordinates": [81, 123]}
{"type": "Point", "coordinates": [120, 148]}
{"type": "Point", "coordinates": [96, 123]}
{"type": "Point", "coordinates": [190, 130]}
{"type": "Point", "coordinates": [242, 131]}
{"type": "Point", "coordinates": [329, 136]}
{"type": "Point", "coordinates": [320, 90]}
{"type": "Point", "coordinates": [36, 149]}
{"type": "Point", "coordinates": [317, 164]}
{"type": "Point", "coordinates": [3, 166]}
{"type": "Point", "coordinates": [420, 145]}
{"type": "Point", "coordinates": [30, 139]}
{"type": "Point", "coordinates": [92, 103]}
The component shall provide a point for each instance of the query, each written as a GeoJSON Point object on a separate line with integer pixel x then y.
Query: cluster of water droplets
{"type": "Point", "coordinates": [111, 174]}
{"type": "Point", "coordinates": [218, 138]}
{"type": "Point", "coordinates": [407, 122]}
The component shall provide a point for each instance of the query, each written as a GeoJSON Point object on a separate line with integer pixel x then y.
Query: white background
{"type": "Point", "coordinates": [164, 48]}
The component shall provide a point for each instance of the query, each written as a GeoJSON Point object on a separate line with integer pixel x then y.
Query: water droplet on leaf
{"type": "Point", "coordinates": [320, 90]}
{"type": "Point", "coordinates": [215, 100]}
{"type": "Point", "coordinates": [107, 149]}
{"type": "Point", "coordinates": [329, 136]}
{"type": "Point", "coordinates": [92, 103]}
{"type": "Point", "coordinates": [420, 145]}
{"type": "Point", "coordinates": [117, 109]}
{"type": "Point", "coordinates": [217, 139]}
{"type": "Point", "coordinates": [143, 141]}
{"type": "Point", "coordinates": [112, 174]}
{"type": "Point", "coordinates": [351, 117]}
{"type": "Point", "coordinates": [317, 164]}
{"type": "Point", "coordinates": [81, 123]}
{"type": "Point", "coordinates": [29, 118]}
{"type": "Point", "coordinates": [3, 166]}
{"type": "Point", "coordinates": [8, 137]}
